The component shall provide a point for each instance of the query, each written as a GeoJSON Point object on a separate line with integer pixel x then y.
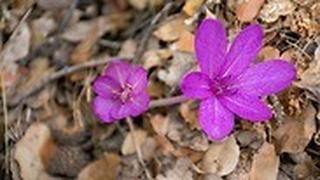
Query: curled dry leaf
{"type": "Point", "coordinates": [154, 58]}
{"type": "Point", "coordinates": [107, 167]}
{"type": "Point", "coordinates": [16, 48]}
{"type": "Point", "coordinates": [268, 53]}
{"type": "Point", "coordinates": [160, 124]}
{"type": "Point", "coordinates": [180, 64]}
{"type": "Point", "coordinates": [265, 163]}
{"type": "Point", "coordinates": [138, 4]}
{"type": "Point", "coordinates": [192, 6]}
{"type": "Point", "coordinates": [181, 170]}
{"type": "Point", "coordinates": [189, 113]}
{"type": "Point", "coordinates": [248, 10]}
{"type": "Point", "coordinates": [274, 9]}
{"type": "Point", "coordinates": [185, 42]}
{"type": "Point", "coordinates": [28, 152]}
{"type": "Point", "coordinates": [296, 132]}
{"type": "Point", "coordinates": [41, 28]}
{"type": "Point", "coordinates": [128, 49]}
{"type": "Point", "coordinates": [133, 138]}
{"type": "Point", "coordinates": [221, 158]}
{"type": "Point", "coordinates": [171, 29]}
{"type": "Point", "coordinates": [310, 79]}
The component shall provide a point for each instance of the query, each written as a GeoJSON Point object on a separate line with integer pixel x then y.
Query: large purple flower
{"type": "Point", "coordinates": [229, 83]}
{"type": "Point", "coordinates": [121, 92]}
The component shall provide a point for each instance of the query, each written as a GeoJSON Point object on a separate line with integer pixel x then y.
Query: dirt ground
{"type": "Point", "coordinates": [52, 50]}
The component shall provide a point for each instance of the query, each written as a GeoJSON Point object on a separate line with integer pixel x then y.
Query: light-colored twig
{"type": "Point", "coordinates": [6, 137]}
{"type": "Point", "coordinates": [167, 101]}
{"type": "Point", "coordinates": [138, 149]}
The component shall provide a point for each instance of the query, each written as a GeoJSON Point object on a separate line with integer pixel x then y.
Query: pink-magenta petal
{"type": "Point", "coordinates": [139, 104]}
{"type": "Point", "coordinates": [196, 85]}
{"type": "Point", "coordinates": [105, 86]}
{"type": "Point", "coordinates": [119, 70]}
{"type": "Point", "coordinates": [243, 51]}
{"type": "Point", "coordinates": [138, 79]}
{"type": "Point", "coordinates": [102, 108]}
{"type": "Point", "coordinates": [210, 46]}
{"type": "Point", "coordinates": [266, 78]}
{"type": "Point", "coordinates": [247, 106]}
{"type": "Point", "coordinates": [215, 120]}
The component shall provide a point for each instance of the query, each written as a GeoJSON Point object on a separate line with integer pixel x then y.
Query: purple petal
{"type": "Point", "coordinates": [246, 106]}
{"type": "Point", "coordinates": [267, 78]}
{"type": "Point", "coordinates": [119, 71]}
{"type": "Point", "coordinates": [136, 106]}
{"type": "Point", "coordinates": [138, 79]}
{"type": "Point", "coordinates": [210, 46]}
{"type": "Point", "coordinates": [243, 51]}
{"type": "Point", "coordinates": [215, 120]}
{"type": "Point", "coordinates": [196, 85]}
{"type": "Point", "coordinates": [105, 86]}
{"type": "Point", "coordinates": [139, 104]}
{"type": "Point", "coordinates": [102, 108]}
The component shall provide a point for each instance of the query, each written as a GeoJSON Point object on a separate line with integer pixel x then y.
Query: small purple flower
{"type": "Point", "coordinates": [121, 92]}
{"type": "Point", "coordinates": [229, 83]}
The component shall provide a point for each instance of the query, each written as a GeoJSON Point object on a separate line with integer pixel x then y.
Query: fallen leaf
{"type": "Point", "coordinates": [310, 79]}
{"type": "Point", "coordinates": [155, 58]}
{"type": "Point", "coordinates": [54, 4]}
{"type": "Point", "coordinates": [190, 114]}
{"type": "Point", "coordinates": [133, 139]}
{"type": "Point", "coordinates": [138, 4]}
{"type": "Point", "coordinates": [41, 28]}
{"type": "Point", "coordinates": [128, 49]}
{"type": "Point", "coordinates": [179, 65]}
{"type": "Point", "coordinates": [15, 48]}
{"type": "Point", "coordinates": [107, 168]}
{"type": "Point", "coordinates": [265, 163]}
{"type": "Point", "coordinates": [192, 6]}
{"type": "Point", "coordinates": [28, 150]}
{"type": "Point", "coordinates": [171, 29]}
{"type": "Point", "coordinates": [248, 10]}
{"type": "Point", "coordinates": [268, 53]}
{"type": "Point", "coordinates": [222, 157]}
{"type": "Point", "coordinates": [160, 124]}
{"type": "Point", "coordinates": [274, 9]}
{"type": "Point", "coordinates": [181, 170]}
{"type": "Point", "coordinates": [185, 42]}
{"type": "Point", "coordinates": [294, 135]}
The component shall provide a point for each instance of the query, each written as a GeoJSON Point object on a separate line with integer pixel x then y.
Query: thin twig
{"type": "Point", "coordinates": [5, 111]}
{"type": "Point", "coordinates": [57, 75]}
{"type": "Point", "coordinates": [67, 17]}
{"type": "Point", "coordinates": [167, 101]}
{"type": "Point", "coordinates": [147, 34]}
{"type": "Point", "coordinates": [138, 149]}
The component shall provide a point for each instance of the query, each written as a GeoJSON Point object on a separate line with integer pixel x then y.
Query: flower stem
{"type": "Point", "coordinates": [167, 101]}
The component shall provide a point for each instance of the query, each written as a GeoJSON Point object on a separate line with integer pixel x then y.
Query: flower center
{"type": "Point", "coordinates": [125, 94]}
{"type": "Point", "coordinates": [221, 86]}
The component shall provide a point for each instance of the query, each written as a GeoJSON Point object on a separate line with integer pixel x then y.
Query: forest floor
{"type": "Point", "coordinates": [52, 50]}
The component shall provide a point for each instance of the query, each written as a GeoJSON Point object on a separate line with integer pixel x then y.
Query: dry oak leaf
{"type": "Point", "coordinates": [265, 163]}
{"type": "Point", "coordinates": [28, 153]}
{"type": "Point", "coordinates": [107, 168]}
{"type": "Point", "coordinates": [185, 42]}
{"type": "Point", "coordinates": [192, 6]}
{"type": "Point", "coordinates": [222, 157]}
{"type": "Point", "coordinates": [171, 29]}
{"type": "Point", "coordinates": [248, 10]}
{"type": "Point", "coordinates": [133, 139]}
{"type": "Point", "coordinates": [296, 132]}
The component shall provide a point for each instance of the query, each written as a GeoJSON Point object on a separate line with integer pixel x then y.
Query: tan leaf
{"type": "Point", "coordinates": [192, 6]}
{"type": "Point", "coordinates": [248, 10]}
{"type": "Point", "coordinates": [133, 138]}
{"type": "Point", "coordinates": [155, 57]}
{"type": "Point", "coordinates": [221, 158]}
{"type": "Point", "coordinates": [181, 170]}
{"type": "Point", "coordinates": [160, 124]}
{"type": "Point", "coordinates": [274, 9]}
{"type": "Point", "coordinates": [107, 168]}
{"type": "Point", "coordinates": [28, 150]}
{"type": "Point", "coordinates": [296, 132]}
{"type": "Point", "coordinates": [138, 4]}
{"type": "Point", "coordinates": [128, 49]}
{"type": "Point", "coordinates": [265, 163]}
{"type": "Point", "coordinates": [171, 29]}
{"type": "Point", "coordinates": [185, 42]}
{"type": "Point", "coordinates": [190, 114]}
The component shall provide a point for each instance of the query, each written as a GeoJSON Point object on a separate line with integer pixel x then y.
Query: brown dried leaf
{"type": "Point", "coordinates": [190, 114]}
{"type": "Point", "coordinates": [265, 163]}
{"type": "Point", "coordinates": [128, 49]}
{"type": "Point", "coordinates": [274, 9]}
{"type": "Point", "coordinates": [138, 137]}
{"type": "Point", "coordinates": [160, 124]}
{"type": "Point", "coordinates": [248, 10]}
{"type": "Point", "coordinates": [28, 149]}
{"type": "Point", "coordinates": [180, 64]}
{"type": "Point", "coordinates": [185, 42]}
{"type": "Point", "coordinates": [41, 28]}
{"type": "Point", "coordinates": [221, 158]}
{"type": "Point", "coordinates": [154, 58]}
{"type": "Point", "coordinates": [181, 170]}
{"type": "Point", "coordinates": [192, 6]}
{"type": "Point", "coordinates": [138, 4]}
{"type": "Point", "coordinates": [54, 4]}
{"type": "Point", "coordinates": [268, 53]}
{"type": "Point", "coordinates": [107, 167]}
{"type": "Point", "coordinates": [296, 132]}
{"type": "Point", "coordinates": [171, 29]}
